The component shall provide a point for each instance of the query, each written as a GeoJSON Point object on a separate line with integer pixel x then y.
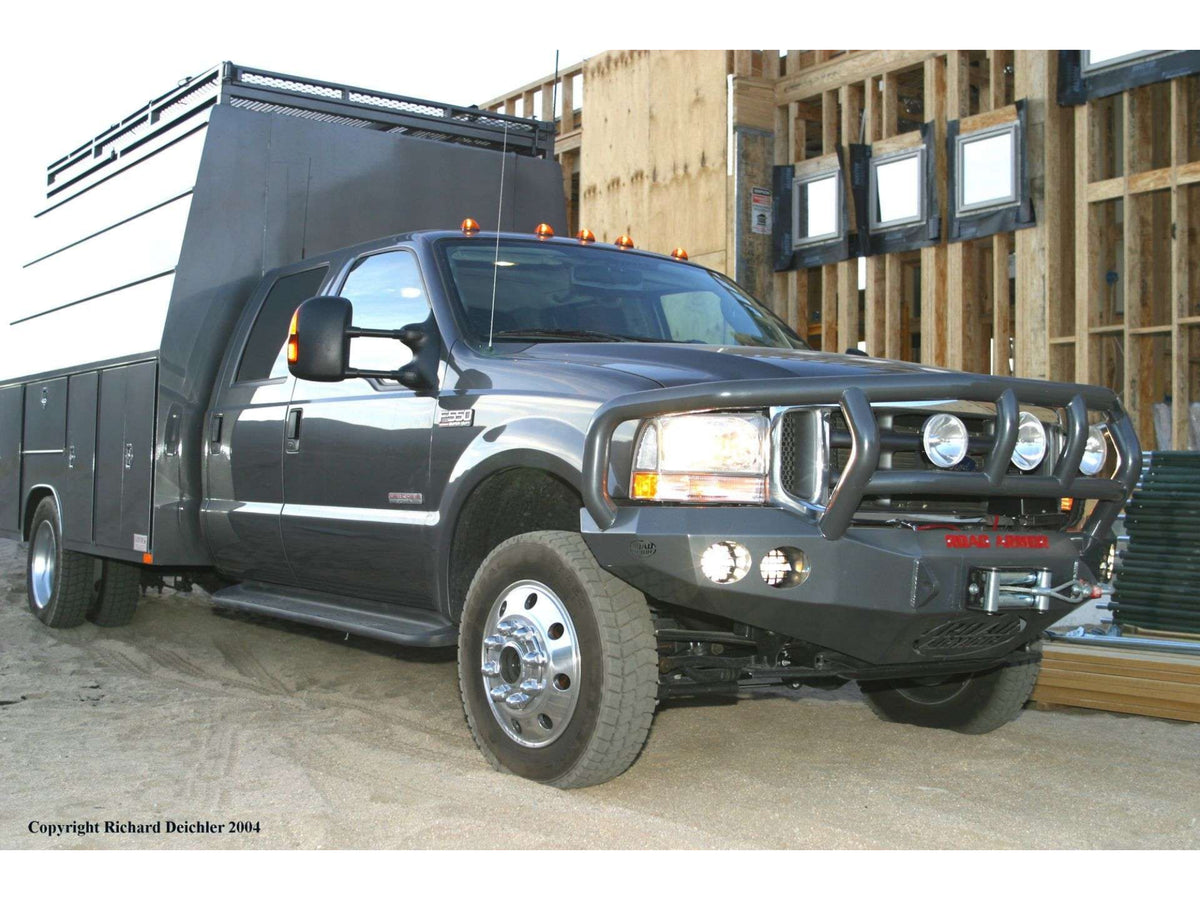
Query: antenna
{"type": "Point", "coordinates": [554, 88]}
{"type": "Point", "coordinates": [496, 259]}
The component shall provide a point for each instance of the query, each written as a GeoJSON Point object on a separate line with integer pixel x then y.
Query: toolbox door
{"type": "Point", "coordinates": [125, 457]}
{"type": "Point", "coordinates": [79, 483]}
{"type": "Point", "coordinates": [11, 410]}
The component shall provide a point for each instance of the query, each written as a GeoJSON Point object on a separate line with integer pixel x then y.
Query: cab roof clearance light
{"type": "Point", "coordinates": [625, 242]}
{"type": "Point", "coordinates": [680, 254]}
{"type": "Point", "coordinates": [544, 231]}
{"type": "Point", "coordinates": [585, 236]}
{"type": "Point", "coordinates": [470, 226]}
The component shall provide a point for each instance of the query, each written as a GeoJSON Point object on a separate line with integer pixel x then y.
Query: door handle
{"type": "Point", "coordinates": [214, 433]}
{"type": "Point", "coordinates": [292, 432]}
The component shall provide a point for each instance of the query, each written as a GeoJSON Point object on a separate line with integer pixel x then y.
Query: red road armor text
{"type": "Point", "coordinates": [1001, 541]}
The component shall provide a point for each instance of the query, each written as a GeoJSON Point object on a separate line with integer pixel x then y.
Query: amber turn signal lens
{"type": "Point", "coordinates": [645, 485]}
{"type": "Point", "coordinates": [680, 254]}
{"type": "Point", "coordinates": [1066, 504]}
{"type": "Point", "coordinates": [585, 236]}
{"type": "Point", "coordinates": [293, 347]}
{"type": "Point", "coordinates": [470, 226]}
{"type": "Point", "coordinates": [625, 242]}
{"type": "Point", "coordinates": [544, 231]}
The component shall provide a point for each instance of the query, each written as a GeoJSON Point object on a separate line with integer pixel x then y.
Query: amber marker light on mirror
{"type": "Point", "coordinates": [470, 226]}
{"type": "Point", "coordinates": [293, 350]}
{"type": "Point", "coordinates": [625, 242]}
{"type": "Point", "coordinates": [680, 254]}
{"type": "Point", "coordinates": [544, 231]}
{"type": "Point", "coordinates": [585, 236]}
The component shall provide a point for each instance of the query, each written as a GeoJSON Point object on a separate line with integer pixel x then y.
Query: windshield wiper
{"type": "Point", "coordinates": [573, 335]}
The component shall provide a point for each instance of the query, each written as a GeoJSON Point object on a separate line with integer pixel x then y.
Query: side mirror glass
{"type": "Point", "coordinates": [319, 339]}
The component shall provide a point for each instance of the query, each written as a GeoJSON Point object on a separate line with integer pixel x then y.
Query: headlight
{"type": "Point", "coordinates": [702, 458]}
{"type": "Point", "coordinates": [945, 440]}
{"type": "Point", "coordinates": [1031, 442]}
{"type": "Point", "coordinates": [1095, 452]}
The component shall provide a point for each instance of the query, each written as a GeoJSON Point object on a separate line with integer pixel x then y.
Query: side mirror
{"type": "Point", "coordinates": [318, 346]}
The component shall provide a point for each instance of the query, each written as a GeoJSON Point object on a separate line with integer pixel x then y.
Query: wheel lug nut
{"type": "Point", "coordinates": [500, 691]}
{"type": "Point", "coordinates": [493, 642]}
{"type": "Point", "coordinates": [534, 658]}
{"type": "Point", "coordinates": [517, 700]}
{"type": "Point", "coordinates": [506, 627]}
{"type": "Point", "coordinates": [491, 668]}
{"type": "Point", "coordinates": [532, 686]}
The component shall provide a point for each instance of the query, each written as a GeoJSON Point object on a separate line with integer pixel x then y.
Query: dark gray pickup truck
{"type": "Point", "coordinates": [608, 476]}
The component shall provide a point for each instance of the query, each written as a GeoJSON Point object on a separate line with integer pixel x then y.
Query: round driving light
{"type": "Point", "coordinates": [1095, 452]}
{"type": "Point", "coordinates": [945, 439]}
{"type": "Point", "coordinates": [784, 567]}
{"type": "Point", "coordinates": [1031, 442]}
{"type": "Point", "coordinates": [725, 562]}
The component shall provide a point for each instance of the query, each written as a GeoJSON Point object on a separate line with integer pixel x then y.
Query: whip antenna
{"type": "Point", "coordinates": [496, 259]}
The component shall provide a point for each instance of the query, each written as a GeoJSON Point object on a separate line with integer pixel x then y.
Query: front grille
{"type": "Point", "coordinates": [900, 433]}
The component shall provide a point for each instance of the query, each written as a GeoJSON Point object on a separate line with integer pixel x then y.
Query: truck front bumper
{"type": "Point", "coordinates": [883, 595]}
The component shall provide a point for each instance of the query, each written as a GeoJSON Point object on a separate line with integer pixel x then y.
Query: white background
{"type": "Point", "coordinates": [73, 69]}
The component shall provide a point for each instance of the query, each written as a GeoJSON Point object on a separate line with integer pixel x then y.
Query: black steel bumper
{"type": "Point", "coordinates": [884, 595]}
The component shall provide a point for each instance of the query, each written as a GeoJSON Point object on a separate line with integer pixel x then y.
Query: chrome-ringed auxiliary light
{"type": "Point", "coordinates": [1095, 452]}
{"type": "Point", "coordinates": [1030, 448]}
{"type": "Point", "coordinates": [945, 439]}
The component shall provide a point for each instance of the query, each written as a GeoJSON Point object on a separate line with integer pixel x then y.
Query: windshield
{"type": "Point", "coordinates": [557, 292]}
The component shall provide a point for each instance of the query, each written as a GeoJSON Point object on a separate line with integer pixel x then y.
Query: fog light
{"type": "Point", "coordinates": [784, 567]}
{"type": "Point", "coordinates": [945, 440]}
{"type": "Point", "coordinates": [725, 562]}
{"type": "Point", "coordinates": [1095, 452]}
{"type": "Point", "coordinates": [1030, 448]}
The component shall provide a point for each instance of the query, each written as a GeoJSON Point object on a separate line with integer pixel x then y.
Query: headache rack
{"type": "Point", "coordinates": [862, 476]}
{"type": "Point", "coordinates": [308, 98]}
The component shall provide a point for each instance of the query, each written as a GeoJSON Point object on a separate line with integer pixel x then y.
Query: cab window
{"type": "Point", "coordinates": [386, 291]}
{"type": "Point", "coordinates": [265, 353]}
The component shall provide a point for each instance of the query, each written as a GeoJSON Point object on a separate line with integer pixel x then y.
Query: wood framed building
{"type": "Point", "coordinates": [678, 148]}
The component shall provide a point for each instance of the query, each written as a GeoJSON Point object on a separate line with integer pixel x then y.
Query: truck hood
{"type": "Point", "coordinates": [672, 365]}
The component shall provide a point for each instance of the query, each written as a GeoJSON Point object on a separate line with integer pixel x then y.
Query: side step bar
{"type": "Point", "coordinates": [366, 618]}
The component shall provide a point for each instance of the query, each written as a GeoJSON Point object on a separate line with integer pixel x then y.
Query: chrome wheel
{"type": "Point", "coordinates": [530, 664]}
{"type": "Point", "coordinates": [43, 559]}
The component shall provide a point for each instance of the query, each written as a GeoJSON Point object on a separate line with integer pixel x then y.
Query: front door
{"type": "Point", "coordinates": [356, 461]}
{"type": "Point", "coordinates": [244, 437]}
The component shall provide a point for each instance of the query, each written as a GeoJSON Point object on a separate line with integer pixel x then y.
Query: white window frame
{"type": "Point", "coordinates": [960, 142]}
{"type": "Point", "coordinates": [797, 192]}
{"type": "Point", "coordinates": [873, 190]}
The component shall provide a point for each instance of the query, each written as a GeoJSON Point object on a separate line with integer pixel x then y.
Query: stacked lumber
{"type": "Point", "coordinates": [1148, 683]}
{"type": "Point", "coordinates": [1158, 581]}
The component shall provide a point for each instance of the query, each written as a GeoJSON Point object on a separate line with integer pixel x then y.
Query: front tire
{"type": "Point", "coordinates": [970, 704]}
{"type": "Point", "coordinates": [557, 662]}
{"type": "Point", "coordinates": [60, 582]}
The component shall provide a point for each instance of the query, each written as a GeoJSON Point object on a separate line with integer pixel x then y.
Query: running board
{"type": "Point", "coordinates": [366, 618]}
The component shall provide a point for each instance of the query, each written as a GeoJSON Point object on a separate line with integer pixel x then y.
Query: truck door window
{"type": "Point", "coordinates": [264, 356]}
{"type": "Point", "coordinates": [386, 291]}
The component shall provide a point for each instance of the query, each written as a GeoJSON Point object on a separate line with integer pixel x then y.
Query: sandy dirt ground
{"type": "Point", "coordinates": [191, 715]}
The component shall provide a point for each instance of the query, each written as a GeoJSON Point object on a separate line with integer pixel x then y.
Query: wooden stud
{"type": "Point", "coordinates": [548, 101]}
{"type": "Point", "coordinates": [567, 121]}
{"type": "Point", "coordinates": [961, 308]}
{"type": "Point", "coordinates": [933, 259]}
{"type": "Point", "coordinates": [848, 303]}
{"type": "Point", "coordinates": [1001, 316]}
{"type": "Point", "coordinates": [1182, 122]}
